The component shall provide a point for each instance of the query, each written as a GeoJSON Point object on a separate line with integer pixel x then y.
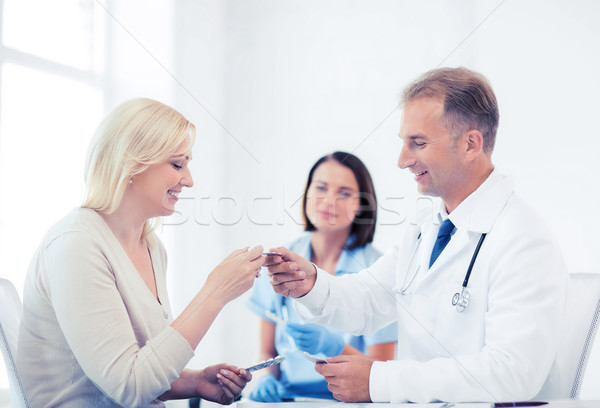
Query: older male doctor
{"type": "Point", "coordinates": [491, 336]}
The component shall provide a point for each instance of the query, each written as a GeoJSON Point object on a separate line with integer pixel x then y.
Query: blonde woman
{"type": "Point", "coordinates": [97, 328]}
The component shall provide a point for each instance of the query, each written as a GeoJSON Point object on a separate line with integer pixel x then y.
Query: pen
{"type": "Point", "coordinates": [274, 317]}
{"type": "Point", "coordinates": [281, 321]}
{"type": "Point", "coordinates": [284, 312]}
{"type": "Point", "coordinates": [519, 404]}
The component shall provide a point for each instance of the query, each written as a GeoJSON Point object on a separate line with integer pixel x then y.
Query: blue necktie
{"type": "Point", "coordinates": [442, 240]}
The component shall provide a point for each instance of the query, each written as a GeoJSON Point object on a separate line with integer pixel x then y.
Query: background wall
{"type": "Point", "coordinates": [272, 86]}
{"type": "Point", "coordinates": [302, 79]}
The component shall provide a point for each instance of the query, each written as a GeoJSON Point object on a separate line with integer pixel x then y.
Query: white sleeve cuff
{"type": "Point", "coordinates": [378, 382]}
{"type": "Point", "coordinates": [315, 300]}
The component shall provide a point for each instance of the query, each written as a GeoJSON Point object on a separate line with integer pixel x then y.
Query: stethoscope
{"type": "Point", "coordinates": [459, 300]}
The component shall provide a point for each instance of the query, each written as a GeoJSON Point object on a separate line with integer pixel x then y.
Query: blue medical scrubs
{"type": "Point", "coordinates": [297, 373]}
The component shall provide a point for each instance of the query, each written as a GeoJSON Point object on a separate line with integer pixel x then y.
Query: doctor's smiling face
{"type": "Point", "coordinates": [430, 152]}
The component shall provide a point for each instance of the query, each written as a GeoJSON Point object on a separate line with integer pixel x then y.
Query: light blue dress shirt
{"type": "Point", "coordinates": [297, 373]}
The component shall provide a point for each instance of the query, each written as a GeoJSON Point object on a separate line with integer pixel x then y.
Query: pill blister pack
{"type": "Point", "coordinates": [314, 359]}
{"type": "Point", "coordinates": [266, 363]}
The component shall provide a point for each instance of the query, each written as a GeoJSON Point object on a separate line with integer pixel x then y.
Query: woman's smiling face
{"type": "Point", "coordinates": [157, 188]}
{"type": "Point", "coordinates": [332, 199]}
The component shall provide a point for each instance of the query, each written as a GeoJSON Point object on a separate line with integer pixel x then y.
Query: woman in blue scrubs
{"type": "Point", "coordinates": [339, 209]}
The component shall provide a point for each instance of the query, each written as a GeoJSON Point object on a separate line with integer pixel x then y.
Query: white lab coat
{"type": "Point", "coordinates": [501, 347]}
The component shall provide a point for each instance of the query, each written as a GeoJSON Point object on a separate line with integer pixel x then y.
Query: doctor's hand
{"type": "Point", "coordinates": [316, 339]}
{"type": "Point", "coordinates": [291, 275]}
{"type": "Point", "coordinates": [267, 389]}
{"type": "Point", "coordinates": [347, 376]}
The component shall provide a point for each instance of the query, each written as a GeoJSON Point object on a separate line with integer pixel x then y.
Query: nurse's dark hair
{"type": "Point", "coordinates": [363, 226]}
{"type": "Point", "coordinates": [469, 101]}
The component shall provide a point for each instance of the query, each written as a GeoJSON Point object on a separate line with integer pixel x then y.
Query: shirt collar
{"type": "Point", "coordinates": [478, 211]}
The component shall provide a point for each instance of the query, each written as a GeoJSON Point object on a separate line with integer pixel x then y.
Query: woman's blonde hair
{"type": "Point", "coordinates": [135, 135]}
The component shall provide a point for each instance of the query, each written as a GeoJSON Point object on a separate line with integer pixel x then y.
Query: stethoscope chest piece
{"type": "Point", "coordinates": [461, 300]}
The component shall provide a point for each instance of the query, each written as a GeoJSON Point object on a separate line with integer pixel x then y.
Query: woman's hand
{"type": "Point", "coordinates": [232, 277]}
{"type": "Point", "coordinates": [222, 383]}
{"type": "Point", "coordinates": [235, 275]}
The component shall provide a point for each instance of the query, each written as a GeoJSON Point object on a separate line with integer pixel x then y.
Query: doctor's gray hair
{"type": "Point", "coordinates": [133, 136]}
{"type": "Point", "coordinates": [469, 101]}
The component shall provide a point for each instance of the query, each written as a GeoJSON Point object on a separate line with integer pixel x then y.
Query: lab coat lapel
{"type": "Point", "coordinates": [474, 221]}
{"type": "Point", "coordinates": [478, 212]}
